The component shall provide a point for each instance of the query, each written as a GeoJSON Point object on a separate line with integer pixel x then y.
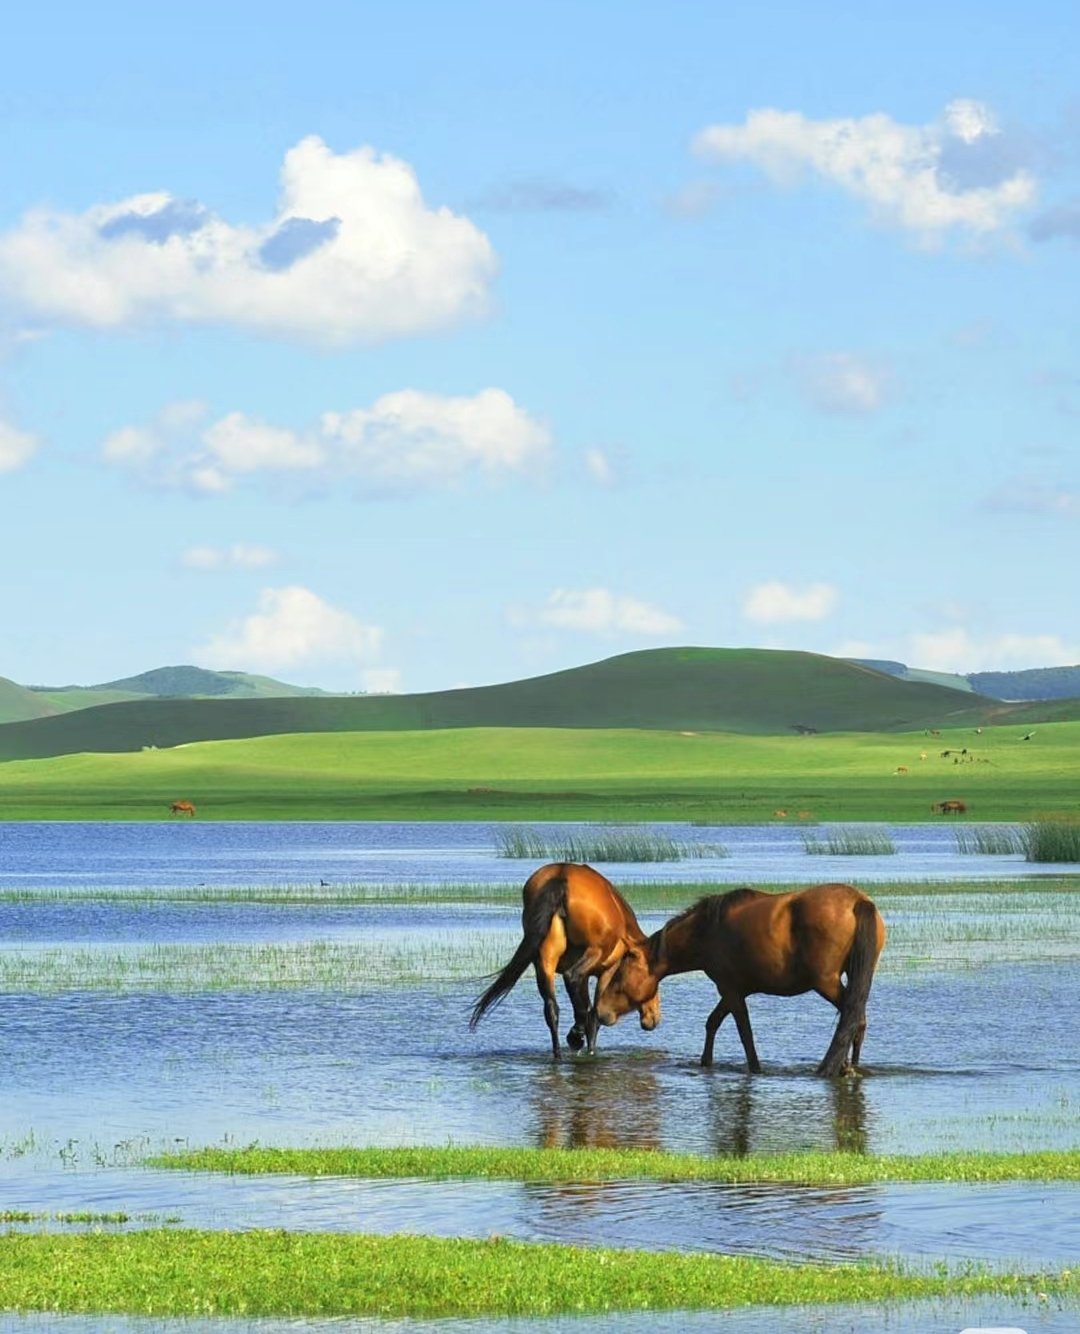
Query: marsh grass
{"type": "Point", "coordinates": [570, 1165]}
{"type": "Point", "coordinates": [339, 966]}
{"type": "Point", "coordinates": [849, 842]}
{"type": "Point", "coordinates": [163, 1272]}
{"type": "Point", "coordinates": [602, 845]}
{"type": "Point", "coordinates": [1052, 841]}
{"type": "Point", "coordinates": [989, 840]}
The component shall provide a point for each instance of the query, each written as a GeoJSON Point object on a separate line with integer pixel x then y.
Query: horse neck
{"type": "Point", "coordinates": [675, 948]}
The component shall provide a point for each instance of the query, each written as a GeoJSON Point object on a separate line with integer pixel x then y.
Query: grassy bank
{"type": "Point", "coordinates": [187, 1273]}
{"type": "Point", "coordinates": [526, 775]}
{"type": "Point", "coordinates": [558, 1165]}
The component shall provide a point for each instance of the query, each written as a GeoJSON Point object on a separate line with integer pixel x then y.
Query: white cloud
{"type": "Point", "coordinates": [599, 467]}
{"type": "Point", "coordinates": [841, 382]}
{"type": "Point", "coordinates": [957, 650]}
{"type": "Point", "coordinates": [908, 174]}
{"type": "Point", "coordinates": [16, 447]}
{"type": "Point", "coordinates": [239, 556]}
{"type": "Point", "coordinates": [292, 626]}
{"type": "Point", "coordinates": [774, 602]}
{"type": "Point", "coordinates": [406, 441]}
{"type": "Point", "coordinates": [352, 253]}
{"type": "Point", "coordinates": [598, 611]}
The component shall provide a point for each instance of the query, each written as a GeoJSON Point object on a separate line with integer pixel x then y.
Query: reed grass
{"type": "Point", "coordinates": [556, 1165]}
{"type": "Point", "coordinates": [604, 845]}
{"type": "Point", "coordinates": [849, 842]}
{"type": "Point", "coordinates": [1052, 841]}
{"type": "Point", "coordinates": [989, 840]}
{"type": "Point", "coordinates": [165, 1272]}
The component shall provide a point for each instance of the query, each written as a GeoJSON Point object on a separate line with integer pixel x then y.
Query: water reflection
{"type": "Point", "coordinates": [597, 1104]}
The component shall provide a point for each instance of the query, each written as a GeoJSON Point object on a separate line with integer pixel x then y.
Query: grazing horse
{"type": "Point", "coordinates": [573, 922]}
{"type": "Point", "coordinates": [182, 808]}
{"type": "Point", "coordinates": [950, 807]}
{"type": "Point", "coordinates": [751, 942]}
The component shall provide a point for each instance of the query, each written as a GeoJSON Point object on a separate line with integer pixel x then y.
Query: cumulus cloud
{"type": "Point", "coordinates": [238, 556]}
{"type": "Point", "coordinates": [598, 611]}
{"type": "Point", "coordinates": [353, 252]}
{"type": "Point", "coordinates": [292, 626]}
{"type": "Point", "coordinates": [16, 447]}
{"type": "Point", "coordinates": [928, 179]}
{"type": "Point", "coordinates": [842, 383]}
{"type": "Point", "coordinates": [405, 442]}
{"type": "Point", "coordinates": [957, 650]}
{"type": "Point", "coordinates": [775, 602]}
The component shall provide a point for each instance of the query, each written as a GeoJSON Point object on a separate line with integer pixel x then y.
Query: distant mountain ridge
{"type": "Point", "coordinates": [1030, 683]}
{"type": "Point", "coordinates": [751, 691]}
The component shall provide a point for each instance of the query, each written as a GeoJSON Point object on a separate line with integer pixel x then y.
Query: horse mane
{"type": "Point", "coordinates": [709, 912]}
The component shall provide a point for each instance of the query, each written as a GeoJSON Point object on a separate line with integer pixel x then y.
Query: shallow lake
{"type": "Point", "coordinates": [135, 1020]}
{"type": "Point", "coordinates": [193, 852]}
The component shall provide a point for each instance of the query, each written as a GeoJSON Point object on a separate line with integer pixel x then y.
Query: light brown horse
{"type": "Point", "coordinates": [574, 922]}
{"type": "Point", "coordinates": [950, 807]}
{"type": "Point", "coordinates": [182, 808]}
{"type": "Point", "coordinates": [751, 942]}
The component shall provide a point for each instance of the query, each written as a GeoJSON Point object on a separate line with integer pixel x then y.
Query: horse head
{"type": "Point", "coordinates": [635, 985]}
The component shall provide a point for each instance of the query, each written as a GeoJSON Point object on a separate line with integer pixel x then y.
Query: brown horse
{"type": "Point", "coordinates": [574, 922]}
{"type": "Point", "coordinates": [182, 808]}
{"type": "Point", "coordinates": [950, 807]}
{"type": "Point", "coordinates": [751, 942]}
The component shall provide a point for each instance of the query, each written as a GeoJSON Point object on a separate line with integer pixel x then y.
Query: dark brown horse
{"type": "Point", "coordinates": [182, 808]}
{"type": "Point", "coordinates": [751, 942]}
{"type": "Point", "coordinates": [950, 807]}
{"type": "Point", "coordinates": [574, 922]}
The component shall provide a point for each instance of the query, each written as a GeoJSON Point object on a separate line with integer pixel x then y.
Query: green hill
{"type": "Point", "coordinates": [18, 703]}
{"type": "Point", "coordinates": [686, 689]}
{"type": "Point", "coordinates": [182, 682]}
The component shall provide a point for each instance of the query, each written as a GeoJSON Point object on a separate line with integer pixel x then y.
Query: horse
{"type": "Point", "coordinates": [751, 942]}
{"type": "Point", "coordinates": [574, 922]}
{"type": "Point", "coordinates": [950, 807]}
{"type": "Point", "coordinates": [182, 808]}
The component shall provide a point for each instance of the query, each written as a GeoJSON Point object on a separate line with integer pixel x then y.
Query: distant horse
{"type": "Point", "coordinates": [751, 942]}
{"type": "Point", "coordinates": [901, 768]}
{"type": "Point", "coordinates": [182, 808]}
{"type": "Point", "coordinates": [574, 922]}
{"type": "Point", "coordinates": [950, 807]}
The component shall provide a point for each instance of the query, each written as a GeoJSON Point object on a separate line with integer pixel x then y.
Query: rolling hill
{"type": "Point", "coordinates": [751, 691]}
{"type": "Point", "coordinates": [182, 682]}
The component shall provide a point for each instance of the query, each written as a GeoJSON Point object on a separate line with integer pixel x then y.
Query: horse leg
{"type": "Point", "coordinates": [592, 1023]}
{"type": "Point", "coordinates": [711, 1025]}
{"type": "Point", "coordinates": [578, 991]}
{"type": "Point", "coordinates": [742, 1019]}
{"type": "Point", "coordinates": [833, 991]}
{"type": "Point", "coordinates": [546, 966]}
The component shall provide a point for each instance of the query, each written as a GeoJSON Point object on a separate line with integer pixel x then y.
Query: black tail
{"type": "Point", "coordinates": [860, 973]}
{"type": "Point", "coordinates": [537, 922]}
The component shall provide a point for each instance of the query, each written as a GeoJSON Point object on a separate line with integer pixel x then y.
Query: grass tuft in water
{"type": "Point", "coordinates": [610, 845]}
{"type": "Point", "coordinates": [989, 840]}
{"type": "Point", "coordinates": [524, 1164]}
{"type": "Point", "coordinates": [264, 1273]}
{"type": "Point", "coordinates": [849, 842]}
{"type": "Point", "coordinates": [1052, 841]}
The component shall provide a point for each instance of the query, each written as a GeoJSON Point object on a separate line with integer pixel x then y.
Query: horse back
{"type": "Point", "coordinates": [595, 913]}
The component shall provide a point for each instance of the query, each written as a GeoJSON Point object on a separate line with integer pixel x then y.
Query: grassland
{"type": "Point", "coordinates": [528, 775]}
{"type": "Point", "coordinates": [166, 1272]}
{"type": "Point", "coordinates": [557, 1165]}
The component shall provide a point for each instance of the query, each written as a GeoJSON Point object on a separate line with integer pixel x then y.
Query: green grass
{"type": "Point", "coordinates": [849, 843]}
{"type": "Point", "coordinates": [989, 840]}
{"type": "Point", "coordinates": [1052, 841]}
{"type": "Point", "coordinates": [604, 845]}
{"type": "Point", "coordinates": [260, 1273]}
{"type": "Point", "coordinates": [526, 775]}
{"type": "Point", "coordinates": [555, 1165]}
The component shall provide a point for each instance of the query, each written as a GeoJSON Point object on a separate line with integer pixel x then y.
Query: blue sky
{"type": "Point", "coordinates": [410, 346]}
